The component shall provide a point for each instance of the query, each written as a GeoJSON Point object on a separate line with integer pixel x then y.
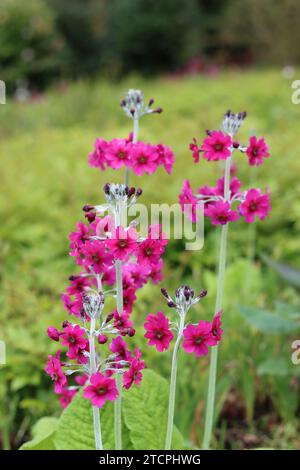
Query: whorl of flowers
{"type": "Point", "coordinates": [138, 156]}
{"type": "Point", "coordinates": [219, 207]}
{"type": "Point", "coordinates": [197, 338]}
{"type": "Point", "coordinates": [95, 247]}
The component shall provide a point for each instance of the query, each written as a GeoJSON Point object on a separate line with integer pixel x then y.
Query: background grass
{"type": "Point", "coordinates": [45, 180]}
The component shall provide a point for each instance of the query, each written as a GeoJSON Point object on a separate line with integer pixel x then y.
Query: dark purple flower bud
{"type": "Point", "coordinates": [87, 208]}
{"type": "Point", "coordinates": [91, 216]}
{"type": "Point", "coordinates": [102, 339]}
{"type": "Point", "coordinates": [158, 110]}
{"type": "Point", "coordinates": [131, 332]}
{"type": "Point", "coordinates": [106, 188]}
{"type": "Point", "coordinates": [53, 333]}
{"type": "Point", "coordinates": [131, 191]}
{"type": "Point", "coordinates": [109, 317]}
{"type": "Point", "coordinates": [73, 277]}
{"type": "Point", "coordinates": [164, 292]}
{"type": "Point", "coordinates": [151, 101]}
{"type": "Point", "coordinates": [171, 304]}
{"type": "Point", "coordinates": [66, 323]}
{"type": "Point", "coordinates": [236, 144]}
{"type": "Point", "coordinates": [203, 293]}
{"type": "Point", "coordinates": [123, 103]}
{"type": "Point", "coordinates": [139, 191]}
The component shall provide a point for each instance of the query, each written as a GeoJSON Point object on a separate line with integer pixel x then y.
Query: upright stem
{"type": "Point", "coordinates": [172, 394]}
{"type": "Point", "coordinates": [209, 416]}
{"type": "Point", "coordinates": [93, 368]}
{"type": "Point", "coordinates": [134, 140]}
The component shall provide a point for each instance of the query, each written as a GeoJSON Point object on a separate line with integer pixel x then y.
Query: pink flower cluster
{"type": "Point", "coordinates": [140, 157]}
{"type": "Point", "coordinates": [250, 204]}
{"type": "Point", "coordinates": [197, 338]}
{"type": "Point", "coordinates": [218, 146]}
{"type": "Point", "coordinates": [96, 246]}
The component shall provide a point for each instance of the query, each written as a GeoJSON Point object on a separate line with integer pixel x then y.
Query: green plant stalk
{"type": "Point", "coordinates": [209, 415]}
{"type": "Point", "coordinates": [134, 140]}
{"type": "Point", "coordinates": [96, 412]}
{"type": "Point", "coordinates": [172, 393]}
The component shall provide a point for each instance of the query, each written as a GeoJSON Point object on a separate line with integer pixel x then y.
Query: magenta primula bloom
{"type": "Point", "coordinates": [119, 348]}
{"type": "Point", "coordinates": [123, 243]}
{"type": "Point", "coordinates": [188, 201]}
{"type": "Point", "coordinates": [220, 213]}
{"type": "Point", "coordinates": [143, 158]}
{"type": "Point", "coordinates": [234, 186]}
{"type": "Point", "coordinates": [97, 158]}
{"type": "Point", "coordinates": [257, 150]}
{"type": "Point", "coordinates": [216, 329]}
{"type": "Point", "coordinates": [255, 204]}
{"type": "Point", "coordinates": [101, 389]}
{"type": "Point", "coordinates": [54, 369]}
{"type": "Point", "coordinates": [134, 375]}
{"type": "Point", "coordinates": [78, 284]}
{"type": "Point", "coordinates": [195, 150]}
{"type": "Point", "coordinates": [74, 338]}
{"type": "Point", "coordinates": [96, 256]}
{"type": "Point", "coordinates": [216, 146]}
{"type": "Point", "coordinates": [165, 157]}
{"type": "Point", "coordinates": [53, 333]}
{"type": "Point", "coordinates": [158, 331]}
{"type": "Point", "coordinates": [118, 153]}
{"type": "Point", "coordinates": [197, 338]}
{"type": "Point", "coordinates": [67, 396]}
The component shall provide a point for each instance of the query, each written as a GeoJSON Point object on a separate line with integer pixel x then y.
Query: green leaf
{"type": "Point", "coordinates": [290, 274]}
{"type": "Point", "coordinates": [43, 433]}
{"type": "Point", "coordinates": [268, 322]}
{"type": "Point", "coordinates": [274, 366]}
{"type": "Point", "coordinates": [145, 412]}
{"type": "Point", "coordinates": [75, 428]}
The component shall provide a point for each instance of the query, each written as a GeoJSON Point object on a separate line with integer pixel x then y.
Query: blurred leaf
{"type": "Point", "coordinates": [145, 412]}
{"type": "Point", "coordinates": [290, 274]}
{"type": "Point", "coordinates": [43, 433]}
{"type": "Point", "coordinates": [274, 366]}
{"type": "Point", "coordinates": [267, 322]}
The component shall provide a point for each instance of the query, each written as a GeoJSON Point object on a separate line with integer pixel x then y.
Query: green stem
{"type": "Point", "coordinates": [209, 416]}
{"type": "Point", "coordinates": [134, 140]}
{"type": "Point", "coordinates": [118, 415]}
{"type": "Point", "coordinates": [172, 393]}
{"type": "Point", "coordinates": [93, 368]}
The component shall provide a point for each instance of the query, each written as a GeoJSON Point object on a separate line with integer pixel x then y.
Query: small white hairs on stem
{"type": "Point", "coordinates": [233, 122]}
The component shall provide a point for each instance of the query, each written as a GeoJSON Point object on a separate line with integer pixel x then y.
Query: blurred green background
{"type": "Point", "coordinates": [66, 66]}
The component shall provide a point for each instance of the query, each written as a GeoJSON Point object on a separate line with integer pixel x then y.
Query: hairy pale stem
{"type": "Point", "coordinates": [209, 415]}
{"type": "Point", "coordinates": [172, 393]}
{"type": "Point", "coordinates": [93, 368]}
{"type": "Point", "coordinates": [134, 140]}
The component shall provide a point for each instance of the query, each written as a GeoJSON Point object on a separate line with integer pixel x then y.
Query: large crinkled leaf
{"type": "Point", "coordinates": [145, 412]}
{"type": "Point", "coordinates": [268, 322]}
{"type": "Point", "coordinates": [43, 433]}
{"type": "Point", "coordinates": [75, 428]}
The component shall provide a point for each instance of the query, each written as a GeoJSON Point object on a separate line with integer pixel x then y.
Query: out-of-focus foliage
{"type": "Point", "coordinates": [45, 181]}
{"type": "Point", "coordinates": [30, 45]}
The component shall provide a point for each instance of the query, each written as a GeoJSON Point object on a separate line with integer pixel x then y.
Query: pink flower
{"type": "Point", "coordinates": [53, 368]}
{"type": "Point", "coordinates": [78, 285]}
{"type": "Point", "coordinates": [74, 307]}
{"type": "Point", "coordinates": [134, 374]}
{"type": "Point", "coordinates": [119, 348]}
{"type": "Point", "coordinates": [105, 226]}
{"type": "Point", "coordinates": [255, 204]}
{"type": "Point", "coordinates": [216, 329]}
{"type": "Point", "coordinates": [123, 244]}
{"type": "Point", "coordinates": [67, 396]}
{"type": "Point", "coordinates": [100, 390]}
{"type": "Point", "coordinates": [53, 333]}
{"type": "Point", "coordinates": [156, 272]}
{"type": "Point", "coordinates": [129, 298]}
{"type": "Point", "coordinates": [234, 187]}
{"type": "Point", "coordinates": [195, 150]}
{"type": "Point", "coordinates": [188, 201]}
{"type": "Point", "coordinates": [216, 146]}
{"type": "Point", "coordinates": [96, 256]}
{"type": "Point", "coordinates": [144, 158]}
{"type": "Point", "coordinates": [81, 379]}
{"type": "Point", "coordinates": [78, 239]}
{"type": "Point", "coordinates": [257, 150]}
{"type": "Point", "coordinates": [135, 275]}
{"type": "Point", "coordinates": [197, 338]}
{"type": "Point", "coordinates": [122, 323]}
{"type": "Point", "coordinates": [97, 157]}
{"type": "Point", "coordinates": [158, 331]}
{"type": "Point", "coordinates": [165, 157]}
{"type": "Point", "coordinates": [118, 153]}
{"type": "Point", "coordinates": [149, 251]}
{"type": "Point", "coordinates": [73, 337]}
{"type": "Point", "coordinates": [220, 213]}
